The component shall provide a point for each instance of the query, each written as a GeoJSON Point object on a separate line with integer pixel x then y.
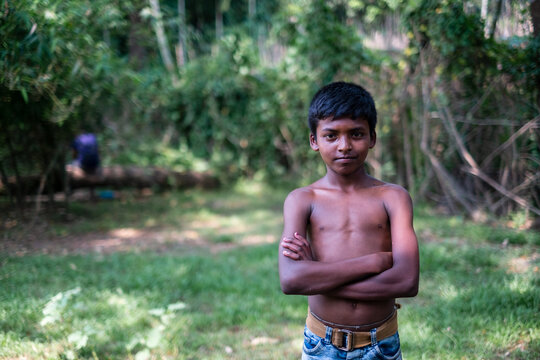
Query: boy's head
{"type": "Point", "coordinates": [341, 99]}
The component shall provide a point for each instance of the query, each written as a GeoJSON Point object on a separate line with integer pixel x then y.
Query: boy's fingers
{"type": "Point", "coordinates": [291, 255]}
{"type": "Point", "coordinates": [294, 241]}
{"type": "Point", "coordinates": [297, 244]}
{"type": "Point", "coordinates": [291, 247]}
{"type": "Point", "coordinates": [301, 238]}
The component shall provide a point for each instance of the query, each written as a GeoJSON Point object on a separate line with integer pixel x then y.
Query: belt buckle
{"type": "Point", "coordinates": [347, 340]}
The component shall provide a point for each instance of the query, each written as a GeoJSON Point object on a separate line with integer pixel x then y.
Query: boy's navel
{"type": "Point", "coordinates": [379, 226]}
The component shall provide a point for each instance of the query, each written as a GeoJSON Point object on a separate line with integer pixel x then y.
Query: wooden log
{"type": "Point", "coordinates": [118, 177]}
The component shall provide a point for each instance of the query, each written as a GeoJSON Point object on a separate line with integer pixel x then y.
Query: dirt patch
{"type": "Point", "coordinates": [117, 240]}
{"type": "Point", "coordinates": [523, 264]}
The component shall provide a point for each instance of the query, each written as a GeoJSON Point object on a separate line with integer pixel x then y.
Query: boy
{"type": "Point", "coordinates": [362, 251]}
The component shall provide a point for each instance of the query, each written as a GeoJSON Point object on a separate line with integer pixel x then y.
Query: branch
{"type": "Point", "coordinates": [474, 169]}
{"type": "Point", "coordinates": [520, 187]}
{"type": "Point", "coordinates": [533, 124]}
{"type": "Point", "coordinates": [518, 199]}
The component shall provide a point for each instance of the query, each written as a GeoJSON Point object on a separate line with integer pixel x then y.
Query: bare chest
{"type": "Point", "coordinates": [348, 226]}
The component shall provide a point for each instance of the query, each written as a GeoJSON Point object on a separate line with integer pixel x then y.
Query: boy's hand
{"type": "Point", "coordinates": [296, 248]}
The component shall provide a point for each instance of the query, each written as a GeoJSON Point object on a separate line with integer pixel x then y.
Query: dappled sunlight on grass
{"type": "Point", "coordinates": [467, 289]}
{"type": "Point", "coordinates": [179, 221]}
{"type": "Point", "coordinates": [259, 225]}
{"type": "Point", "coordinates": [125, 233]}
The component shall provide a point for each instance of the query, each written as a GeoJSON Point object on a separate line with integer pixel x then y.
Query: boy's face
{"type": "Point", "coordinates": [343, 144]}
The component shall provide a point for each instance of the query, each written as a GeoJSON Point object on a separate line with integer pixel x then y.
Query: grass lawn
{"type": "Point", "coordinates": [193, 275]}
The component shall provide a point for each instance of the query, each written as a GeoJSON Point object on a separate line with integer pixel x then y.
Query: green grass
{"type": "Point", "coordinates": [479, 297]}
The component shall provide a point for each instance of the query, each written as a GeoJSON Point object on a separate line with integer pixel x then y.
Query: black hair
{"type": "Point", "coordinates": [342, 99]}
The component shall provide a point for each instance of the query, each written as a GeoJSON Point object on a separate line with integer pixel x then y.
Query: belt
{"type": "Point", "coordinates": [347, 340]}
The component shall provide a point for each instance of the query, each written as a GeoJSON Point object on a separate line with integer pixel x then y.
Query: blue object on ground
{"type": "Point", "coordinates": [106, 194]}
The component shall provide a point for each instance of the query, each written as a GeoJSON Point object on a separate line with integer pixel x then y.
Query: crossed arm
{"type": "Point", "coordinates": [375, 276]}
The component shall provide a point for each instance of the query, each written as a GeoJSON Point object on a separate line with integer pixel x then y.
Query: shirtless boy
{"type": "Point", "coordinates": [348, 241]}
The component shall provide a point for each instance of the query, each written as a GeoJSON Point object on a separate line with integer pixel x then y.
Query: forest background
{"type": "Point", "coordinates": [224, 86]}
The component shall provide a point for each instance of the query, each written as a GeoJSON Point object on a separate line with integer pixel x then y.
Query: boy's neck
{"type": "Point", "coordinates": [359, 179]}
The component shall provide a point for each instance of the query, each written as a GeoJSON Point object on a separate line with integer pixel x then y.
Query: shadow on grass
{"type": "Point", "coordinates": [124, 303]}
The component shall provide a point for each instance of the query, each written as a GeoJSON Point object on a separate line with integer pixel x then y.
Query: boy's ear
{"type": "Point", "coordinates": [373, 140]}
{"type": "Point", "coordinates": [313, 142]}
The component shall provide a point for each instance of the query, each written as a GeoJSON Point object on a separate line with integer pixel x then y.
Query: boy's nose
{"type": "Point", "coordinates": [344, 144]}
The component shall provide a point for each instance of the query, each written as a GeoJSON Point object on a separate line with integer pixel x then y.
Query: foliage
{"type": "Point", "coordinates": [238, 104]}
{"type": "Point", "coordinates": [54, 70]}
{"type": "Point", "coordinates": [321, 41]}
{"type": "Point", "coordinates": [458, 37]}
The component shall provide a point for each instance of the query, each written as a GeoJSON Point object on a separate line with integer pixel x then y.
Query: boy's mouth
{"type": "Point", "coordinates": [346, 158]}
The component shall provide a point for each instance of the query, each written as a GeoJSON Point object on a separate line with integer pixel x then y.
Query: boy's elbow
{"type": "Point", "coordinates": [287, 290]}
{"type": "Point", "coordinates": [285, 285]}
{"type": "Point", "coordinates": [291, 280]}
{"type": "Point", "coordinates": [289, 286]}
{"type": "Point", "coordinates": [411, 288]}
{"type": "Point", "coordinates": [413, 291]}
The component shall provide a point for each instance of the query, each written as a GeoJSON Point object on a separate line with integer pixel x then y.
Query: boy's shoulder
{"type": "Point", "coordinates": [308, 191]}
{"type": "Point", "coordinates": [303, 197]}
{"type": "Point", "coordinates": [394, 196]}
{"type": "Point", "coordinates": [301, 193]}
{"type": "Point", "coordinates": [387, 187]}
{"type": "Point", "coordinates": [389, 191]}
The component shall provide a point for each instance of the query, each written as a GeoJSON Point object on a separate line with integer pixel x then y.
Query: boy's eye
{"type": "Point", "coordinates": [357, 134]}
{"type": "Point", "coordinates": [329, 136]}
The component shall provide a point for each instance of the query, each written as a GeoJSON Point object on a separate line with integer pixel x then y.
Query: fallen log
{"type": "Point", "coordinates": [118, 177]}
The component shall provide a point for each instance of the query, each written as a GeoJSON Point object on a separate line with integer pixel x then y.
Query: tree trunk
{"type": "Point", "coordinates": [535, 16]}
{"type": "Point", "coordinates": [449, 185]}
{"type": "Point", "coordinates": [163, 43]}
{"type": "Point", "coordinates": [18, 190]}
{"type": "Point", "coordinates": [483, 9]}
{"type": "Point", "coordinates": [4, 180]}
{"type": "Point", "coordinates": [496, 16]}
{"type": "Point", "coordinates": [137, 52]}
{"type": "Point", "coordinates": [219, 20]}
{"type": "Point", "coordinates": [181, 48]}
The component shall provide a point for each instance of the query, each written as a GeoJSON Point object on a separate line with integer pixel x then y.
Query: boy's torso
{"type": "Point", "coordinates": [347, 225]}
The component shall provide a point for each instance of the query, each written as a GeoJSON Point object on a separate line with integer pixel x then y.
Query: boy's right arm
{"type": "Point", "coordinates": [309, 277]}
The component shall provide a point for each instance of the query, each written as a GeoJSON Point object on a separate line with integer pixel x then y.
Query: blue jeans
{"type": "Point", "coordinates": [316, 347]}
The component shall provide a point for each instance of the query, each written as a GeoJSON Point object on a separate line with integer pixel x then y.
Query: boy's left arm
{"type": "Point", "coordinates": [401, 280]}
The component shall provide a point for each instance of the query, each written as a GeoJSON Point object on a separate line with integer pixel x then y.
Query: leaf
{"type": "Point", "coordinates": [156, 312]}
{"type": "Point", "coordinates": [24, 95]}
{"type": "Point", "coordinates": [154, 337]}
{"type": "Point", "coordinates": [176, 306]}
{"type": "Point", "coordinates": [78, 339]}
{"type": "Point", "coordinates": [143, 355]}
{"type": "Point", "coordinates": [53, 309]}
